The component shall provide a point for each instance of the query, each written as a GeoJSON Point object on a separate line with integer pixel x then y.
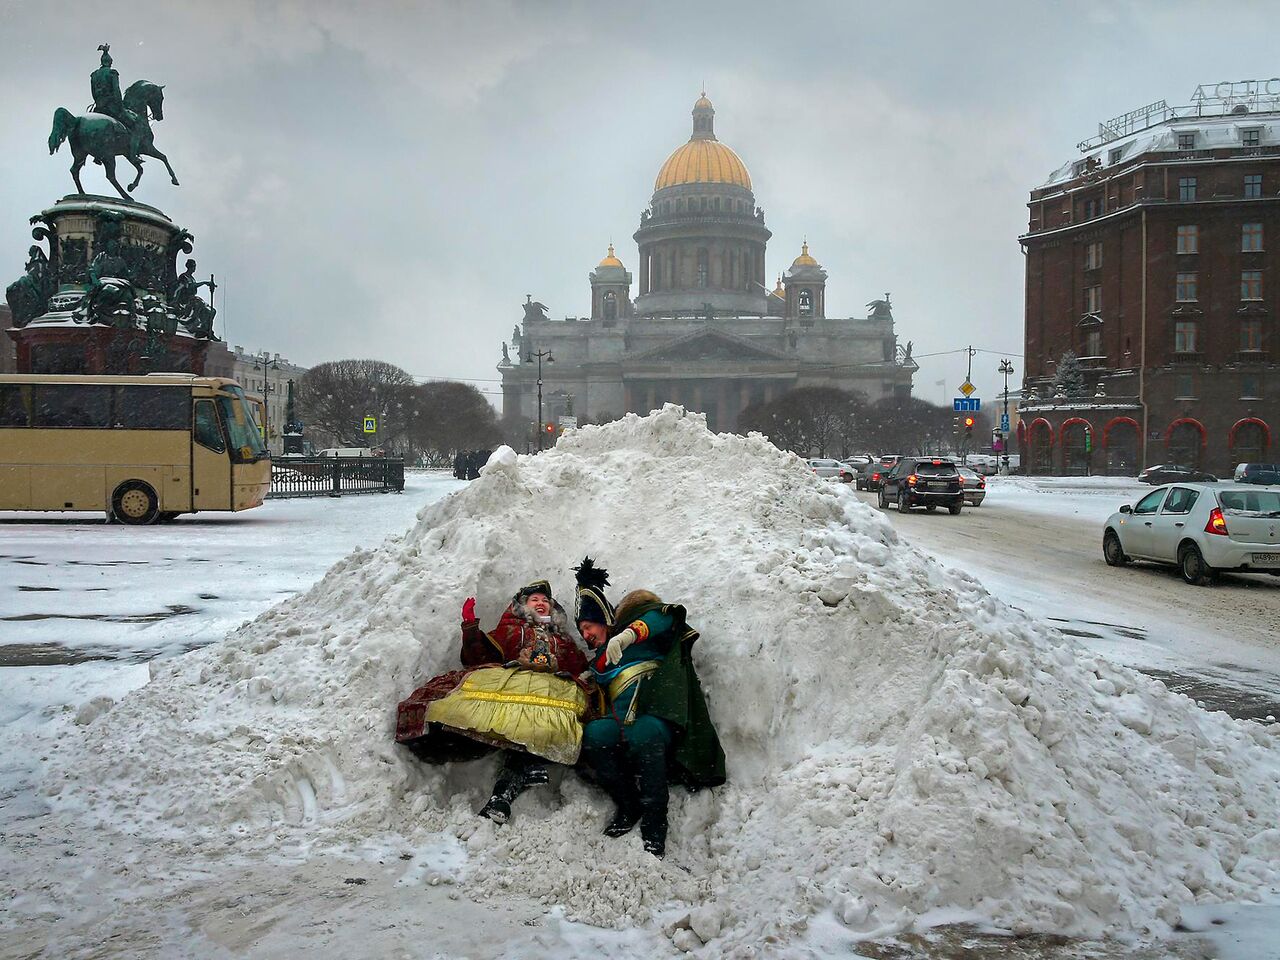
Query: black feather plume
{"type": "Point", "coordinates": [589, 575]}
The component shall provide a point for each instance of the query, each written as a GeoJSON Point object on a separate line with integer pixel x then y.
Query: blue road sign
{"type": "Point", "coordinates": [1004, 423]}
{"type": "Point", "coordinates": [967, 404]}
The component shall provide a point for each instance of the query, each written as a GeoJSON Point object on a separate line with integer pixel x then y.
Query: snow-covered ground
{"type": "Point", "coordinates": [904, 749]}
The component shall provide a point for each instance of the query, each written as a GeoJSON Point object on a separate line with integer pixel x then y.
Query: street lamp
{"type": "Point", "coordinates": [529, 358]}
{"type": "Point", "coordinates": [1006, 368]}
{"type": "Point", "coordinates": [260, 362]}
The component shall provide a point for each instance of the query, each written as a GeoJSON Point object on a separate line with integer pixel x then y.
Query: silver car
{"type": "Point", "coordinates": [975, 485]}
{"type": "Point", "coordinates": [830, 469]}
{"type": "Point", "coordinates": [1202, 528]}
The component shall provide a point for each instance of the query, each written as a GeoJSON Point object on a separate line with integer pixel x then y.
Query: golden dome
{"type": "Point", "coordinates": [780, 290]}
{"type": "Point", "coordinates": [703, 161]}
{"type": "Point", "coordinates": [804, 260]}
{"type": "Point", "coordinates": [610, 260]}
{"type": "Point", "coordinates": [702, 103]}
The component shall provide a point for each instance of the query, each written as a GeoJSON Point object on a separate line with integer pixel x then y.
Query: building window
{"type": "Point", "coordinates": [1251, 237]}
{"type": "Point", "coordinates": [1077, 168]}
{"type": "Point", "coordinates": [1115, 155]}
{"type": "Point", "coordinates": [1093, 255]}
{"type": "Point", "coordinates": [1189, 238]}
{"type": "Point", "coordinates": [1186, 287]}
{"type": "Point", "coordinates": [1249, 389]}
{"type": "Point", "coordinates": [1253, 186]}
{"type": "Point", "coordinates": [1251, 336]}
{"type": "Point", "coordinates": [702, 267]}
{"type": "Point", "coordinates": [1185, 336]}
{"type": "Point", "coordinates": [1251, 285]}
{"type": "Point", "coordinates": [1092, 208]}
{"type": "Point", "coordinates": [1093, 300]}
{"type": "Point", "coordinates": [1251, 138]}
{"type": "Point", "coordinates": [1187, 141]}
{"type": "Point", "coordinates": [806, 303]}
{"type": "Point", "coordinates": [610, 305]}
{"type": "Point", "coordinates": [1186, 189]}
{"type": "Point", "coordinates": [1093, 342]}
{"type": "Point", "coordinates": [1185, 387]}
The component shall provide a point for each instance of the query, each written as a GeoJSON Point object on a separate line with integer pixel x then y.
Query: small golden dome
{"type": "Point", "coordinates": [804, 260]}
{"type": "Point", "coordinates": [703, 161]}
{"type": "Point", "coordinates": [702, 103]}
{"type": "Point", "coordinates": [780, 290]}
{"type": "Point", "coordinates": [610, 260]}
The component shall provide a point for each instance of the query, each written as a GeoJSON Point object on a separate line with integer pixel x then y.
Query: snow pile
{"type": "Point", "coordinates": [899, 741]}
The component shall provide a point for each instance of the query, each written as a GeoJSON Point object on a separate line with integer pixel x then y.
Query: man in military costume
{"type": "Point", "coordinates": [655, 727]}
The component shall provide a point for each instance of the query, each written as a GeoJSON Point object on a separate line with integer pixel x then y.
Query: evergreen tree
{"type": "Point", "coordinates": [1069, 380]}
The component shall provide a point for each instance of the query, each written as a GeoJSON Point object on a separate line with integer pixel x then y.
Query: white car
{"type": "Point", "coordinates": [1203, 528]}
{"type": "Point", "coordinates": [830, 469]}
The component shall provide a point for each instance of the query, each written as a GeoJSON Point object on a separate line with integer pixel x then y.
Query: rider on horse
{"type": "Point", "coordinates": [104, 84]}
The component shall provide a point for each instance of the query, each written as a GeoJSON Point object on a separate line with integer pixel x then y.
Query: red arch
{"type": "Point", "coordinates": [1070, 420]}
{"type": "Point", "coordinates": [1204, 434]}
{"type": "Point", "coordinates": [1266, 432]}
{"type": "Point", "coordinates": [1115, 421]}
{"type": "Point", "coordinates": [1036, 422]}
{"type": "Point", "coordinates": [1022, 430]}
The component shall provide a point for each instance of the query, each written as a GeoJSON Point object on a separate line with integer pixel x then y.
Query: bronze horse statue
{"type": "Point", "coordinates": [103, 138]}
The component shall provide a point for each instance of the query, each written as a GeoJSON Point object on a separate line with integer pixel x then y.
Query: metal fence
{"type": "Point", "coordinates": [334, 476]}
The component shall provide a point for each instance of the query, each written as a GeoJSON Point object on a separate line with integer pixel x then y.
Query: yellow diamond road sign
{"type": "Point", "coordinates": [967, 388]}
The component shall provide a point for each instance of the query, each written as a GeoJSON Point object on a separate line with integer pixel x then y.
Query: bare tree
{"type": "Point", "coordinates": [449, 417]}
{"type": "Point", "coordinates": [334, 398]}
{"type": "Point", "coordinates": [810, 420]}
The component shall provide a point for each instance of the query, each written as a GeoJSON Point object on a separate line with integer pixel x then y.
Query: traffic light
{"type": "Point", "coordinates": [550, 428]}
{"type": "Point", "coordinates": [968, 429]}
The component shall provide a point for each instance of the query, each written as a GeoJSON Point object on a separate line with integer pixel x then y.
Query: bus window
{"type": "Point", "coordinates": [74, 405]}
{"type": "Point", "coordinates": [208, 433]}
{"type": "Point", "coordinates": [15, 405]}
{"type": "Point", "coordinates": [246, 442]}
{"type": "Point", "coordinates": [152, 408]}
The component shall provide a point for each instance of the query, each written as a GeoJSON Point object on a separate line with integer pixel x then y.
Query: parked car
{"type": "Point", "coordinates": [975, 485]}
{"type": "Point", "coordinates": [1201, 528]}
{"type": "Point", "coordinates": [1264, 473]}
{"type": "Point", "coordinates": [928, 483]}
{"type": "Point", "coordinates": [879, 470]}
{"type": "Point", "coordinates": [1173, 473]}
{"type": "Point", "coordinates": [983, 463]}
{"type": "Point", "coordinates": [830, 469]}
{"type": "Point", "coordinates": [356, 452]}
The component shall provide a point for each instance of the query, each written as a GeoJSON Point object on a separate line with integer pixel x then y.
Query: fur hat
{"type": "Point", "coordinates": [634, 600]}
{"type": "Point", "coordinates": [593, 605]}
{"type": "Point", "coordinates": [538, 586]}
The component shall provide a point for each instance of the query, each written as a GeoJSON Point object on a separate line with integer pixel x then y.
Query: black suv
{"type": "Point", "coordinates": [924, 481]}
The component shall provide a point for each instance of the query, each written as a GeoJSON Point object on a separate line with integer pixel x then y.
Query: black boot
{"type": "Point", "coordinates": [651, 780]}
{"type": "Point", "coordinates": [625, 816]}
{"type": "Point", "coordinates": [519, 772]}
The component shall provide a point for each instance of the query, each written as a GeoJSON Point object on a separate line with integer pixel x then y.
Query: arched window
{"type": "Point", "coordinates": [1077, 447]}
{"type": "Point", "coordinates": [715, 204]}
{"type": "Point", "coordinates": [806, 302]}
{"type": "Point", "coordinates": [703, 268]}
{"type": "Point", "coordinates": [1249, 441]}
{"type": "Point", "coordinates": [1040, 446]}
{"type": "Point", "coordinates": [1120, 437]}
{"type": "Point", "coordinates": [610, 305]}
{"type": "Point", "coordinates": [1186, 443]}
{"type": "Point", "coordinates": [680, 204]}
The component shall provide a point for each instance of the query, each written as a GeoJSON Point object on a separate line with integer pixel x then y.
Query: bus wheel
{"type": "Point", "coordinates": [135, 502]}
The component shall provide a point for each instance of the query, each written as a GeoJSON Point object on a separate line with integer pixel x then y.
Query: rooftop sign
{"type": "Point", "coordinates": [1209, 100]}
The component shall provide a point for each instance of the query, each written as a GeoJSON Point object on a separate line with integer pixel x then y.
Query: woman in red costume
{"type": "Point", "coordinates": [517, 692]}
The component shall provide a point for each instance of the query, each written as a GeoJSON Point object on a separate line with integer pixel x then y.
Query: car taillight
{"type": "Point", "coordinates": [981, 483]}
{"type": "Point", "coordinates": [1217, 522]}
{"type": "Point", "coordinates": [911, 480]}
{"type": "Point", "coordinates": [875, 476]}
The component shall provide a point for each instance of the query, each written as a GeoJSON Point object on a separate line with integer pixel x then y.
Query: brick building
{"type": "Point", "coordinates": [1155, 259]}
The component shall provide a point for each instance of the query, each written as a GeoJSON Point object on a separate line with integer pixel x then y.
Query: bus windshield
{"type": "Point", "coordinates": [246, 441]}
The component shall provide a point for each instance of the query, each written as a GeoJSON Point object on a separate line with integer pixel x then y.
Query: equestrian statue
{"type": "Point", "coordinates": [115, 126]}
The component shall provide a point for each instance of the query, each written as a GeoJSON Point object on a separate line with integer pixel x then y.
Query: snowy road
{"type": "Point", "coordinates": [1038, 546]}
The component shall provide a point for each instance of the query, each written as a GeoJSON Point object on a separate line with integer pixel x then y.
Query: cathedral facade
{"type": "Point", "coordinates": [702, 327]}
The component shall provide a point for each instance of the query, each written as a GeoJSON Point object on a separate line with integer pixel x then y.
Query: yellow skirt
{"type": "Point", "coordinates": [538, 711]}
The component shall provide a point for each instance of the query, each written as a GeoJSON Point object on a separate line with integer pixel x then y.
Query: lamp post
{"type": "Point", "coordinates": [260, 362]}
{"type": "Point", "coordinates": [1006, 368]}
{"type": "Point", "coordinates": [529, 358]}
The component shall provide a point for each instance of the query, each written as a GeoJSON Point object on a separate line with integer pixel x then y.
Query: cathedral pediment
{"type": "Point", "coordinates": [714, 345]}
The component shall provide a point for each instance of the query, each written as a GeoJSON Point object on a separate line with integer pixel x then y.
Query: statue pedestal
{"type": "Point", "coordinates": [140, 245]}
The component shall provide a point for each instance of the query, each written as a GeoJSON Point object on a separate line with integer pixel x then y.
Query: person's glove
{"type": "Point", "coordinates": [469, 610]}
{"type": "Point", "coordinates": [618, 644]}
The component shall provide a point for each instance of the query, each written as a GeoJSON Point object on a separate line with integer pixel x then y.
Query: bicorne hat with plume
{"type": "Point", "coordinates": [593, 605]}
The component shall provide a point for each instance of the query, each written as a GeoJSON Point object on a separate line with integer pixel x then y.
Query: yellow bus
{"type": "Point", "coordinates": [143, 448]}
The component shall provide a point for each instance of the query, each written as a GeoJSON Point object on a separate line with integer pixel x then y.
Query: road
{"type": "Point", "coordinates": [1143, 615]}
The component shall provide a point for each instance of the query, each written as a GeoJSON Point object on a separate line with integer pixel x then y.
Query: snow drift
{"type": "Point", "coordinates": [898, 740]}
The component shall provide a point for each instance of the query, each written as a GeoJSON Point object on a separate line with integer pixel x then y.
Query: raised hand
{"type": "Point", "coordinates": [469, 609]}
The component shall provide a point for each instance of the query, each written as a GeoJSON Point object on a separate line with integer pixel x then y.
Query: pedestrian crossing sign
{"type": "Point", "coordinates": [370, 424]}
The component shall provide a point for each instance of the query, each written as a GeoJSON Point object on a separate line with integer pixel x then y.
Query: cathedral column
{"type": "Point", "coordinates": [644, 269]}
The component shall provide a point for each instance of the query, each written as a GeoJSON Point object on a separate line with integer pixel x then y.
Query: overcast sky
{"type": "Point", "coordinates": [389, 180]}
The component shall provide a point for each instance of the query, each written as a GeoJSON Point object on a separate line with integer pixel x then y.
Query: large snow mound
{"type": "Point", "coordinates": [898, 740]}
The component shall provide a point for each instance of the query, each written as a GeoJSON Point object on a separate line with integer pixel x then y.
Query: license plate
{"type": "Point", "coordinates": [1266, 559]}
{"type": "Point", "coordinates": [939, 486]}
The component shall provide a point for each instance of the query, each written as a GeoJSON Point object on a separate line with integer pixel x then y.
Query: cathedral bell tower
{"type": "Point", "coordinates": [805, 285]}
{"type": "Point", "coordinates": [610, 290]}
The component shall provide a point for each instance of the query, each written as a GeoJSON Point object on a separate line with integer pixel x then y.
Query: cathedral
{"type": "Point", "coordinates": [702, 328]}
